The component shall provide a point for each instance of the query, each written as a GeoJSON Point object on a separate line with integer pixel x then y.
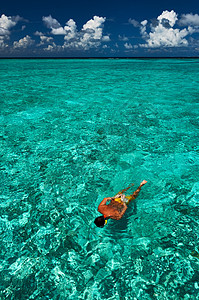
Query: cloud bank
{"type": "Point", "coordinates": [168, 30]}
{"type": "Point", "coordinates": [128, 46]}
{"type": "Point", "coordinates": [162, 33]}
{"type": "Point", "coordinates": [6, 23]}
{"type": "Point", "coordinates": [90, 36]}
{"type": "Point", "coordinates": [23, 43]}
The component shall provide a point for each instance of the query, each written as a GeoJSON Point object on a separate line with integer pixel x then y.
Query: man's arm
{"type": "Point", "coordinates": [104, 202]}
{"type": "Point", "coordinates": [103, 208]}
{"type": "Point", "coordinates": [113, 213]}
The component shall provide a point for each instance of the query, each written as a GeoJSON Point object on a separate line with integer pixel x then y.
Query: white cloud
{"type": "Point", "coordinates": [58, 31]}
{"type": "Point", "coordinates": [163, 31]}
{"type": "Point", "coordinates": [164, 35]}
{"type": "Point", "coordinates": [168, 16]}
{"type": "Point", "coordinates": [38, 33]}
{"type": "Point", "coordinates": [91, 34]}
{"type": "Point", "coordinates": [134, 22]}
{"type": "Point", "coordinates": [143, 29]}
{"type": "Point", "coordinates": [70, 30]}
{"type": "Point", "coordinates": [44, 39]}
{"type": "Point", "coordinates": [52, 47]}
{"type": "Point", "coordinates": [123, 38]}
{"type": "Point", "coordinates": [189, 20]}
{"type": "Point", "coordinates": [128, 46]}
{"type": "Point", "coordinates": [23, 43]}
{"type": "Point", "coordinates": [18, 19]}
{"type": "Point", "coordinates": [55, 26]}
{"type": "Point", "coordinates": [144, 23]}
{"type": "Point", "coordinates": [6, 23]}
{"type": "Point", "coordinates": [3, 45]}
{"type": "Point", "coordinates": [106, 38]}
{"type": "Point", "coordinates": [94, 27]}
{"type": "Point", "coordinates": [51, 22]}
{"type": "Point", "coordinates": [49, 48]}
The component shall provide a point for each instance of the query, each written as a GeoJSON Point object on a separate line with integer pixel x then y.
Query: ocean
{"type": "Point", "coordinates": [73, 132]}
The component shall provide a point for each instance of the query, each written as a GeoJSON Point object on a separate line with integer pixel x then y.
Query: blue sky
{"type": "Point", "coordinates": [99, 28]}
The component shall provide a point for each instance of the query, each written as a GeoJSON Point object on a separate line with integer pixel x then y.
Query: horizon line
{"type": "Point", "coordinates": [106, 57]}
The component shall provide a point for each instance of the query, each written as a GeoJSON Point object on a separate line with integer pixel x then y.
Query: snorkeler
{"type": "Point", "coordinates": [116, 207]}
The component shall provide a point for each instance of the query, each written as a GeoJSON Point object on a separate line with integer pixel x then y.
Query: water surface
{"type": "Point", "coordinates": [75, 131]}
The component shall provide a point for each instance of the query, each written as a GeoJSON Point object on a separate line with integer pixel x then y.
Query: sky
{"type": "Point", "coordinates": [105, 28]}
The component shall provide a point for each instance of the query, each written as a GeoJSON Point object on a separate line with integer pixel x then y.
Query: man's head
{"type": "Point", "coordinates": [100, 221]}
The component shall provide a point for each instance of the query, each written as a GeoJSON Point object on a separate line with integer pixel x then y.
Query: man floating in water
{"type": "Point", "coordinates": [116, 207]}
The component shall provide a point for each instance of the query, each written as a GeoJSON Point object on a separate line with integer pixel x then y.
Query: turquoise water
{"type": "Point", "coordinates": [75, 131]}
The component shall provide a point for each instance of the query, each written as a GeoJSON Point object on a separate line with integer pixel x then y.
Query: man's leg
{"type": "Point", "coordinates": [136, 193]}
{"type": "Point", "coordinates": [124, 190]}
